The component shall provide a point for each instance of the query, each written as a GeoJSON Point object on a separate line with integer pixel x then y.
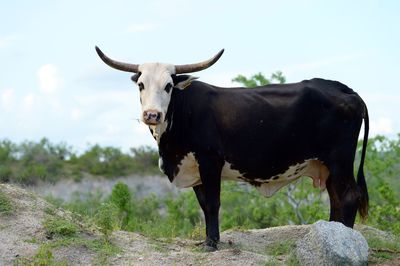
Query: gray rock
{"type": "Point", "coordinates": [332, 243]}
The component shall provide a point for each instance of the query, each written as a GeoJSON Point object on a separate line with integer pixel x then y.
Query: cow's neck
{"type": "Point", "coordinates": [172, 142]}
{"type": "Point", "coordinates": [158, 130]}
{"type": "Point", "coordinates": [175, 125]}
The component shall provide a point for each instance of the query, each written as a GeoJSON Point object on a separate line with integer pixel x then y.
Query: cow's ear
{"type": "Point", "coordinates": [135, 77]}
{"type": "Point", "coordinates": [182, 81]}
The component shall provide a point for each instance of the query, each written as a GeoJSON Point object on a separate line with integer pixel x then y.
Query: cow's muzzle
{"type": "Point", "coordinates": [152, 117]}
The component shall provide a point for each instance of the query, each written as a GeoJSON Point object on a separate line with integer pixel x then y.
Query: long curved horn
{"type": "Point", "coordinates": [117, 65]}
{"type": "Point", "coordinates": [179, 69]}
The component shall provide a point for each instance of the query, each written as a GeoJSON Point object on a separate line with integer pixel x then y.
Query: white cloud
{"type": "Point", "coordinates": [49, 79]}
{"type": "Point", "coordinates": [7, 99]}
{"type": "Point", "coordinates": [28, 101]}
{"type": "Point", "coordinates": [7, 40]}
{"type": "Point", "coordinates": [76, 114]}
{"type": "Point", "coordinates": [381, 126]}
{"type": "Point", "coordinates": [142, 27]}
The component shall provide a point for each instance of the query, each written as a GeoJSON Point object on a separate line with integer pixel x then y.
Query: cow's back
{"type": "Point", "coordinates": [280, 125]}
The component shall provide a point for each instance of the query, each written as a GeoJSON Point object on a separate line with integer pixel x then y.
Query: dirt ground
{"type": "Point", "coordinates": [22, 233]}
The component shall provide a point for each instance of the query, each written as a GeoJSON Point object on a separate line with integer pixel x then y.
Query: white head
{"type": "Point", "coordinates": [156, 82]}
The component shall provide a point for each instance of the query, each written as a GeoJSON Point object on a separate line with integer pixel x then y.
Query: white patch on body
{"type": "Point", "coordinates": [158, 130]}
{"type": "Point", "coordinates": [311, 167]}
{"type": "Point", "coordinates": [189, 176]}
{"type": "Point", "coordinates": [228, 173]}
{"type": "Point", "coordinates": [160, 164]}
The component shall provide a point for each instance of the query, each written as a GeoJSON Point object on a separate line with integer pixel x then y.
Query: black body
{"type": "Point", "coordinates": [263, 131]}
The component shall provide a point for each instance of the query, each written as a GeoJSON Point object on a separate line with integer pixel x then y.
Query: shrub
{"type": "Point", "coordinates": [5, 173]}
{"type": "Point", "coordinates": [43, 257]}
{"type": "Point", "coordinates": [145, 160]}
{"type": "Point", "coordinates": [85, 203]}
{"type": "Point", "coordinates": [243, 206]}
{"type": "Point", "coordinates": [7, 151]}
{"type": "Point", "coordinates": [59, 227]}
{"type": "Point", "coordinates": [183, 213]}
{"type": "Point", "coordinates": [106, 218]}
{"type": "Point", "coordinates": [107, 161]}
{"type": "Point", "coordinates": [32, 162]}
{"type": "Point", "coordinates": [5, 204]}
{"type": "Point", "coordinates": [121, 198]}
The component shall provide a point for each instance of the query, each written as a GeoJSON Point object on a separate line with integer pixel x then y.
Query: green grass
{"type": "Point", "coordinates": [286, 248]}
{"type": "Point", "coordinates": [103, 248]}
{"type": "Point", "coordinates": [99, 246]}
{"type": "Point", "coordinates": [59, 227]}
{"type": "Point", "coordinates": [44, 257]}
{"type": "Point", "coordinates": [107, 219]}
{"type": "Point", "coordinates": [67, 236]}
{"type": "Point", "coordinates": [383, 249]}
{"type": "Point", "coordinates": [33, 240]}
{"type": "Point", "coordinates": [5, 204]}
{"type": "Point", "coordinates": [282, 248]}
{"type": "Point", "coordinates": [50, 210]}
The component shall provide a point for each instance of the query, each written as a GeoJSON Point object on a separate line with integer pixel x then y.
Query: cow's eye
{"type": "Point", "coordinates": [141, 86]}
{"type": "Point", "coordinates": [168, 87]}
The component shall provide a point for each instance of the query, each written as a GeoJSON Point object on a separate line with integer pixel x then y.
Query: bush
{"type": "Point", "coordinates": [41, 161]}
{"type": "Point", "coordinates": [7, 151]}
{"type": "Point", "coordinates": [145, 160]}
{"type": "Point", "coordinates": [32, 162]}
{"type": "Point", "coordinates": [43, 257]}
{"type": "Point", "coordinates": [385, 215]}
{"type": "Point", "coordinates": [5, 204]}
{"type": "Point", "coordinates": [86, 204]}
{"type": "Point", "coordinates": [242, 206]}
{"type": "Point", "coordinates": [106, 219]}
{"type": "Point", "coordinates": [111, 162]}
{"type": "Point", "coordinates": [59, 227]}
{"type": "Point", "coordinates": [108, 161]}
{"type": "Point", "coordinates": [382, 168]}
{"type": "Point", "coordinates": [5, 173]}
{"type": "Point", "coordinates": [121, 197]}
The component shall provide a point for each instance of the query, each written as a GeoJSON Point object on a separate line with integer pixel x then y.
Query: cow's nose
{"type": "Point", "coordinates": [152, 117]}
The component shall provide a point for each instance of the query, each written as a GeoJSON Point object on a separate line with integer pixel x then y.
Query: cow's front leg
{"type": "Point", "coordinates": [208, 195]}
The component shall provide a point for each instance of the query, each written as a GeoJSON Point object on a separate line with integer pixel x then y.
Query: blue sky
{"type": "Point", "coordinates": [52, 84]}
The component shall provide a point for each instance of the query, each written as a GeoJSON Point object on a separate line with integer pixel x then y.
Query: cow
{"type": "Point", "coordinates": [268, 136]}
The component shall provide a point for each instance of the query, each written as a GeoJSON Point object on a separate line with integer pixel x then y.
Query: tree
{"type": "Point", "coordinates": [260, 80]}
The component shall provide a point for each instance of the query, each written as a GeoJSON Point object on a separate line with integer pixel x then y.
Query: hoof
{"type": "Point", "coordinates": [210, 245]}
{"type": "Point", "coordinates": [208, 248]}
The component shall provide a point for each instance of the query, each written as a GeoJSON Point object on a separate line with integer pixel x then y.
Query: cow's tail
{"type": "Point", "coordinates": [363, 203]}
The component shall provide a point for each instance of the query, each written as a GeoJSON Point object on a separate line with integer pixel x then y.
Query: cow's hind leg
{"type": "Point", "coordinates": [344, 194]}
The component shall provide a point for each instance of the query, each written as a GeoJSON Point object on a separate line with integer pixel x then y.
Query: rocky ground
{"type": "Point", "coordinates": [25, 236]}
{"type": "Point", "coordinates": [141, 185]}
